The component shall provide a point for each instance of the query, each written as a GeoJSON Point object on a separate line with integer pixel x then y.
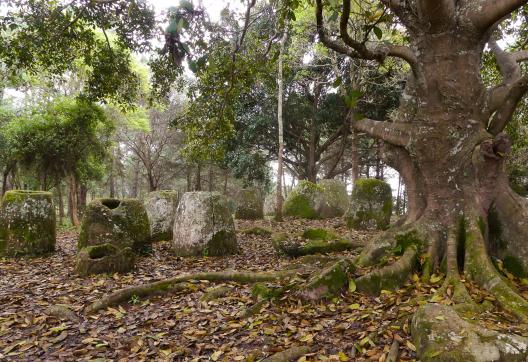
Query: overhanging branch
{"type": "Point", "coordinates": [397, 134]}
{"type": "Point", "coordinates": [355, 49]}
{"type": "Point", "coordinates": [485, 13]}
{"type": "Point", "coordinates": [504, 113]}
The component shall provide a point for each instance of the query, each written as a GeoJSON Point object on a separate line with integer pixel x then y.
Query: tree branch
{"type": "Point", "coordinates": [504, 113]}
{"type": "Point", "coordinates": [485, 13]}
{"type": "Point", "coordinates": [503, 99]}
{"type": "Point", "coordinates": [355, 49]}
{"type": "Point", "coordinates": [396, 134]}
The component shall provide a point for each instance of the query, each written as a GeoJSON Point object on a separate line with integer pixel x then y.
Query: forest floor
{"type": "Point", "coordinates": [182, 327]}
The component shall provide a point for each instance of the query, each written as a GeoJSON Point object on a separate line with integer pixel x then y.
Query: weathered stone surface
{"type": "Point", "coordinates": [371, 205]}
{"type": "Point", "coordinates": [122, 223]}
{"type": "Point", "coordinates": [439, 334]}
{"type": "Point", "coordinates": [333, 201]}
{"type": "Point", "coordinates": [27, 223]}
{"type": "Point", "coordinates": [204, 226]}
{"type": "Point", "coordinates": [104, 258]}
{"type": "Point", "coordinates": [161, 208]}
{"type": "Point", "coordinates": [270, 204]}
{"type": "Point", "coordinates": [249, 204]}
{"type": "Point", "coordinates": [317, 201]}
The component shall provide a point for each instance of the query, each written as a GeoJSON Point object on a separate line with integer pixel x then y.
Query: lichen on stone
{"type": "Point", "coordinates": [120, 222]}
{"type": "Point", "coordinates": [161, 208]}
{"type": "Point", "coordinates": [27, 223]}
{"type": "Point", "coordinates": [370, 206]}
{"type": "Point", "coordinates": [249, 204]}
{"type": "Point", "coordinates": [104, 258]}
{"type": "Point", "coordinates": [204, 226]}
{"type": "Point", "coordinates": [317, 201]}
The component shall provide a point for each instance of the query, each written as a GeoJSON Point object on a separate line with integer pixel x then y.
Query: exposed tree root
{"type": "Point", "coordinates": [479, 267]}
{"type": "Point", "coordinates": [390, 277]}
{"type": "Point", "coordinates": [291, 354]}
{"type": "Point", "coordinates": [61, 311]}
{"type": "Point", "coordinates": [394, 352]}
{"type": "Point", "coordinates": [328, 282]}
{"type": "Point", "coordinates": [293, 247]}
{"type": "Point", "coordinates": [379, 247]}
{"type": "Point", "coordinates": [215, 293]}
{"type": "Point", "coordinates": [176, 284]}
{"type": "Point", "coordinates": [458, 293]}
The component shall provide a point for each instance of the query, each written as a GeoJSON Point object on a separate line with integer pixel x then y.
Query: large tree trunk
{"type": "Point", "coordinates": [451, 157]}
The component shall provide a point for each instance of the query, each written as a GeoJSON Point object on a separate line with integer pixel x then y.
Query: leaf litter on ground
{"type": "Point", "coordinates": [187, 327]}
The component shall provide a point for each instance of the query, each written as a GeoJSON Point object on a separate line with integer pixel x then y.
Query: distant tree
{"type": "Point", "coordinates": [68, 140]}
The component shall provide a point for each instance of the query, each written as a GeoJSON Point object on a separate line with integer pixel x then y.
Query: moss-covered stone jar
{"type": "Point", "coordinates": [204, 226]}
{"type": "Point", "coordinates": [104, 258]}
{"type": "Point", "coordinates": [120, 222]}
{"type": "Point", "coordinates": [326, 199]}
{"type": "Point", "coordinates": [161, 208]}
{"type": "Point", "coordinates": [370, 206]}
{"type": "Point", "coordinates": [27, 223]}
{"type": "Point", "coordinates": [249, 204]}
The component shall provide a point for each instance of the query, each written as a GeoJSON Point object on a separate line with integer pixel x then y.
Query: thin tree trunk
{"type": "Point", "coordinates": [226, 175]}
{"type": "Point", "coordinates": [74, 213]}
{"type": "Point", "coordinates": [135, 186]}
{"type": "Point", "coordinates": [61, 203]}
{"type": "Point", "coordinates": [354, 158]}
{"type": "Point", "coordinates": [280, 156]}
{"type": "Point", "coordinates": [111, 179]}
{"type": "Point", "coordinates": [311, 172]}
{"type": "Point", "coordinates": [189, 178]}
{"type": "Point", "coordinates": [198, 181]}
{"type": "Point", "coordinates": [211, 176]}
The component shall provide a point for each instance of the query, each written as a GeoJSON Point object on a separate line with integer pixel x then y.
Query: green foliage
{"type": "Point", "coordinates": [41, 36]}
{"type": "Point", "coordinates": [68, 137]}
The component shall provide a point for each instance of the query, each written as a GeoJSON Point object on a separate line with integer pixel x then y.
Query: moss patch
{"type": "Point", "coordinates": [122, 223]}
{"type": "Point", "coordinates": [258, 231]}
{"type": "Point", "coordinates": [371, 205]}
{"type": "Point", "coordinates": [311, 241]}
{"type": "Point", "coordinates": [329, 282]}
{"type": "Point", "coordinates": [27, 223]}
{"type": "Point", "coordinates": [249, 205]}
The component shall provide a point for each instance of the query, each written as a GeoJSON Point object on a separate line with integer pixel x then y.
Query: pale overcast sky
{"type": "Point", "coordinates": [214, 7]}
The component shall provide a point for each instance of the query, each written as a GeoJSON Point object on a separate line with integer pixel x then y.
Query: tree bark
{"type": "Point", "coordinates": [446, 141]}
{"type": "Point", "coordinates": [280, 156]}
{"type": "Point", "coordinates": [72, 197]}
{"type": "Point", "coordinates": [61, 202]}
{"type": "Point", "coordinates": [198, 180]}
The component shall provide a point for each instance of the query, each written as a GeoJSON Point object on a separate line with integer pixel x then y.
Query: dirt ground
{"type": "Point", "coordinates": [182, 327]}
